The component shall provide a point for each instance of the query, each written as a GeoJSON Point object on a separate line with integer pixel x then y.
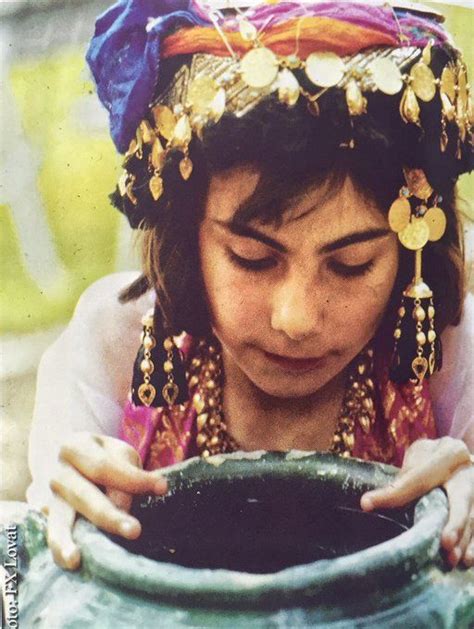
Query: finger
{"type": "Point", "coordinates": [60, 522]}
{"type": "Point", "coordinates": [415, 482]}
{"type": "Point", "coordinates": [121, 499]}
{"type": "Point", "coordinates": [459, 491]}
{"type": "Point", "coordinates": [110, 466]}
{"type": "Point", "coordinates": [89, 501]}
{"type": "Point", "coordinates": [456, 554]}
{"type": "Point", "coordinates": [468, 558]}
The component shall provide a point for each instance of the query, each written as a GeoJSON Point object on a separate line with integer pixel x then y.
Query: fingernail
{"type": "Point", "coordinates": [366, 502]}
{"type": "Point", "coordinates": [71, 556]}
{"type": "Point", "coordinates": [451, 537]}
{"type": "Point", "coordinates": [457, 553]}
{"type": "Point", "coordinates": [128, 526]}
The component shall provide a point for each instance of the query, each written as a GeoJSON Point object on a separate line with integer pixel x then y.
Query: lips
{"type": "Point", "coordinates": [296, 364]}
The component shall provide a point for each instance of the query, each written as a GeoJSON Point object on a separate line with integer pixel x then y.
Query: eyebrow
{"type": "Point", "coordinates": [241, 229]}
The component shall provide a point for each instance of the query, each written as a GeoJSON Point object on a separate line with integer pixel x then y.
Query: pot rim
{"type": "Point", "coordinates": [391, 564]}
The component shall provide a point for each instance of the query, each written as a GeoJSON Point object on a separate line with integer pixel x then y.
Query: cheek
{"type": "Point", "coordinates": [365, 301]}
{"type": "Point", "coordinates": [235, 301]}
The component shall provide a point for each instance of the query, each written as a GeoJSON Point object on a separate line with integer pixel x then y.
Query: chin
{"type": "Point", "coordinates": [289, 386]}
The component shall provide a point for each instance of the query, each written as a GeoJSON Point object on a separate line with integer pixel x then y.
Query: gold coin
{"type": "Point", "coordinates": [165, 120]}
{"type": "Point", "coordinates": [447, 83]}
{"type": "Point", "coordinates": [415, 235]}
{"type": "Point", "coordinates": [201, 94]}
{"type": "Point", "coordinates": [436, 221]}
{"type": "Point", "coordinates": [386, 76]}
{"type": "Point", "coordinates": [423, 81]}
{"type": "Point", "coordinates": [259, 67]}
{"type": "Point", "coordinates": [324, 69]}
{"type": "Point", "coordinates": [399, 214]}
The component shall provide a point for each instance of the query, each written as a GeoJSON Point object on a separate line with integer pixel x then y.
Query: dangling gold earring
{"type": "Point", "coordinates": [170, 390]}
{"type": "Point", "coordinates": [148, 379]}
{"type": "Point", "coordinates": [146, 391]}
{"type": "Point", "coordinates": [416, 351]}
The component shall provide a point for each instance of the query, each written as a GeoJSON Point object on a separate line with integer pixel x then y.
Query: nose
{"type": "Point", "coordinates": [298, 308]}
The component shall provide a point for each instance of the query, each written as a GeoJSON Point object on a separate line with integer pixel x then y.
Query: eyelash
{"type": "Point", "coordinates": [262, 264]}
{"type": "Point", "coordinates": [345, 270]}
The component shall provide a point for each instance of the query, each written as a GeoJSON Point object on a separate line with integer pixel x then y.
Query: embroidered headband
{"type": "Point", "coordinates": [293, 50]}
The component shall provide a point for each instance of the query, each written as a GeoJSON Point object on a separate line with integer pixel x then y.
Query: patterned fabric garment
{"type": "Point", "coordinates": [403, 415]}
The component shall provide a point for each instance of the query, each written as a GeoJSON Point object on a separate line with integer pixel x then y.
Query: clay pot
{"type": "Point", "coordinates": [258, 540]}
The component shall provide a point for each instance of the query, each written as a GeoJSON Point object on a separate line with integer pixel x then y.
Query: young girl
{"type": "Point", "coordinates": [292, 169]}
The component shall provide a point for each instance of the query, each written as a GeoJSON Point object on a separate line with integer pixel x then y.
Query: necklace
{"type": "Point", "coordinates": [205, 378]}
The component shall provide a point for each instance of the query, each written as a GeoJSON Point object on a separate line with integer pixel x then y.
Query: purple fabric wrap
{"type": "Point", "coordinates": [124, 56]}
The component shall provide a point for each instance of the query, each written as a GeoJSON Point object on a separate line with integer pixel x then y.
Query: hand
{"type": "Point", "coordinates": [87, 461]}
{"type": "Point", "coordinates": [431, 463]}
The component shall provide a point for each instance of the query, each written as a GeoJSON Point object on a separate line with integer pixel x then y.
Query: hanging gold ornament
{"type": "Point", "coordinates": [426, 54]}
{"type": "Point", "coordinates": [156, 186]}
{"type": "Point", "coordinates": [247, 30]}
{"type": "Point", "coordinates": [157, 155]}
{"type": "Point", "coordinates": [146, 393]}
{"type": "Point", "coordinates": [420, 367]}
{"type": "Point", "coordinates": [356, 103]}
{"type": "Point", "coordinates": [259, 68]}
{"type": "Point", "coordinates": [122, 183]}
{"type": "Point", "coordinates": [146, 132]}
{"type": "Point", "coordinates": [182, 133]}
{"type": "Point", "coordinates": [462, 102]}
{"type": "Point", "coordinates": [288, 88]}
{"type": "Point", "coordinates": [129, 190]}
{"type": "Point", "coordinates": [217, 106]}
{"type": "Point", "coordinates": [186, 167]}
{"type": "Point", "coordinates": [165, 120]}
{"type": "Point", "coordinates": [386, 76]}
{"type": "Point", "coordinates": [409, 107]}
{"type": "Point", "coordinates": [470, 108]}
{"type": "Point", "coordinates": [448, 108]}
{"type": "Point", "coordinates": [132, 149]}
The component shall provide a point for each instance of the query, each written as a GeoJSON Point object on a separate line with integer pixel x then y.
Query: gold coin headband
{"type": "Point", "coordinates": [202, 92]}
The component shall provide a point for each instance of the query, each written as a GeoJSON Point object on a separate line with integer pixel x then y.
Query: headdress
{"type": "Point", "coordinates": [170, 70]}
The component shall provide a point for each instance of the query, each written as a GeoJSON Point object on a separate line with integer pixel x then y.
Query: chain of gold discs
{"type": "Point", "coordinates": [205, 378]}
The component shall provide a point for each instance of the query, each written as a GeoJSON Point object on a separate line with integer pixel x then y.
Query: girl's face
{"type": "Point", "coordinates": [293, 305]}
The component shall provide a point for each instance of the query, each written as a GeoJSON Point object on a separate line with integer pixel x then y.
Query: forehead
{"type": "Point", "coordinates": [331, 202]}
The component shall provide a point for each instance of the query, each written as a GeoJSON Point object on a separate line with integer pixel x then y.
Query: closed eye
{"type": "Point", "coordinates": [251, 264]}
{"type": "Point", "coordinates": [351, 270]}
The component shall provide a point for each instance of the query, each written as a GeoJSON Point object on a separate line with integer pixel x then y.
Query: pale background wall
{"type": "Point", "coordinates": [57, 166]}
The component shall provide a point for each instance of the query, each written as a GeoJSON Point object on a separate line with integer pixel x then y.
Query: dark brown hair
{"type": "Point", "coordinates": [291, 149]}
